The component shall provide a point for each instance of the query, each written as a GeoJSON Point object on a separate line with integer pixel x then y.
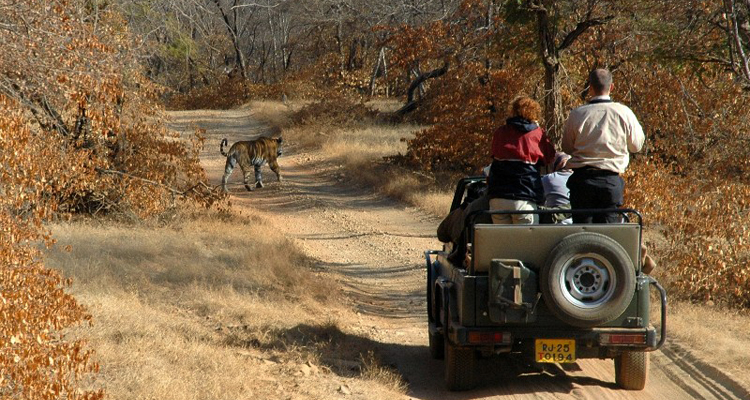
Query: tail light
{"type": "Point", "coordinates": [489, 338]}
{"type": "Point", "coordinates": [622, 338]}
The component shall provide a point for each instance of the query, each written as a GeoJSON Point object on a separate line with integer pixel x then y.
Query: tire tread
{"type": "Point", "coordinates": [459, 367]}
{"type": "Point", "coordinates": [631, 370]}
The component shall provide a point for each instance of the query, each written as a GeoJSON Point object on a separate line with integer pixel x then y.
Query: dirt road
{"type": "Point", "coordinates": [374, 246]}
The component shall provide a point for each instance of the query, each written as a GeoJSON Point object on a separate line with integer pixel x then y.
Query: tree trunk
{"type": "Point", "coordinates": [376, 72]}
{"type": "Point", "coordinates": [550, 59]}
{"type": "Point", "coordinates": [743, 61]}
{"type": "Point", "coordinates": [274, 42]}
{"type": "Point", "coordinates": [553, 115]}
{"type": "Point", "coordinates": [549, 52]}
{"type": "Point", "coordinates": [340, 42]}
{"type": "Point", "coordinates": [239, 60]}
{"type": "Point", "coordinates": [412, 104]}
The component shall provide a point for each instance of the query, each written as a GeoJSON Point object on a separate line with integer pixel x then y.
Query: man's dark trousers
{"type": "Point", "coordinates": [593, 188]}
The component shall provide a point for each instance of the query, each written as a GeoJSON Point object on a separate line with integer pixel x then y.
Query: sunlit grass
{"type": "Point", "coordinates": [183, 312]}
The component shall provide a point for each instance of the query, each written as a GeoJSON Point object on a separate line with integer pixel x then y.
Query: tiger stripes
{"type": "Point", "coordinates": [251, 153]}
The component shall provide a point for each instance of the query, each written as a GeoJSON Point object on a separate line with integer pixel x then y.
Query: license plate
{"type": "Point", "coordinates": [556, 350]}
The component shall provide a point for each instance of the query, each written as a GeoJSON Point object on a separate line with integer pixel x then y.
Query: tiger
{"type": "Point", "coordinates": [253, 153]}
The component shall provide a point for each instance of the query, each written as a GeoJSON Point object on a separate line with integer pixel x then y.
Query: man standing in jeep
{"type": "Point", "coordinates": [599, 136]}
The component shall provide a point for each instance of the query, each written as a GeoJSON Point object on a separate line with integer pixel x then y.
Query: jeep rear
{"type": "Point", "coordinates": [547, 293]}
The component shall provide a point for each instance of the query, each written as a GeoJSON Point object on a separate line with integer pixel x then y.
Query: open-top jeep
{"type": "Point", "coordinates": [550, 293]}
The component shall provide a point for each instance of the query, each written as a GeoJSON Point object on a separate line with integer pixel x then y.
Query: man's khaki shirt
{"type": "Point", "coordinates": [601, 135]}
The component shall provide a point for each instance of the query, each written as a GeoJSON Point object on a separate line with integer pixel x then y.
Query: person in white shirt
{"type": "Point", "coordinates": [599, 136]}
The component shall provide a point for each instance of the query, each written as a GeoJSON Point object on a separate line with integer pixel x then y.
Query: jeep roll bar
{"type": "Point", "coordinates": [471, 218]}
{"type": "Point", "coordinates": [625, 212]}
{"type": "Point", "coordinates": [461, 189]}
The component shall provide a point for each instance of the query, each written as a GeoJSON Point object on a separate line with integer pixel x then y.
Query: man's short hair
{"type": "Point", "coordinates": [600, 80]}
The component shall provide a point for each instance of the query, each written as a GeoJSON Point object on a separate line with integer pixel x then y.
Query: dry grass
{"type": "Point", "coordinates": [385, 105]}
{"type": "Point", "coordinates": [274, 113]}
{"type": "Point", "coordinates": [374, 370]}
{"type": "Point", "coordinates": [719, 336]}
{"type": "Point", "coordinates": [360, 151]}
{"type": "Point", "coordinates": [187, 311]}
{"type": "Point", "coordinates": [247, 260]}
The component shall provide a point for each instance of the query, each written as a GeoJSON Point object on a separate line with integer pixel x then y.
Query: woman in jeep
{"type": "Point", "coordinates": [518, 148]}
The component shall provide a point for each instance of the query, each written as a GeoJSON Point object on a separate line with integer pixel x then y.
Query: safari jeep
{"type": "Point", "coordinates": [549, 293]}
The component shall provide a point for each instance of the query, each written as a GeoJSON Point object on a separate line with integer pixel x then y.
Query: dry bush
{"type": "Point", "coordinates": [704, 222]}
{"type": "Point", "coordinates": [693, 183]}
{"type": "Point", "coordinates": [229, 92]}
{"type": "Point", "coordinates": [79, 133]}
{"type": "Point", "coordinates": [464, 105]}
{"type": "Point", "coordinates": [36, 359]}
{"type": "Point", "coordinates": [373, 369]}
{"type": "Point", "coordinates": [463, 114]}
{"type": "Point", "coordinates": [84, 91]}
{"type": "Point", "coordinates": [334, 110]}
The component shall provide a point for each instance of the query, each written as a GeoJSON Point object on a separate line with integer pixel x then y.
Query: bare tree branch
{"type": "Point", "coordinates": [735, 34]}
{"type": "Point", "coordinates": [582, 27]}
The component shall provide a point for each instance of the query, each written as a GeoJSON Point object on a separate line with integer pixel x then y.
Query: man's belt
{"type": "Point", "coordinates": [594, 171]}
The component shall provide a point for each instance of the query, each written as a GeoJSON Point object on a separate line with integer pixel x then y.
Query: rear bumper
{"type": "Point", "coordinates": [593, 343]}
{"type": "Point", "coordinates": [588, 338]}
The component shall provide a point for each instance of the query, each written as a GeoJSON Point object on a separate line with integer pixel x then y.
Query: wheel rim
{"type": "Point", "coordinates": [588, 280]}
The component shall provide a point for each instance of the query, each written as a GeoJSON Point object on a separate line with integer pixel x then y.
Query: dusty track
{"type": "Point", "coordinates": [374, 246]}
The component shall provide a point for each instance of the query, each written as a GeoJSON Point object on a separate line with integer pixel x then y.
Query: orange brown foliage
{"type": "Point", "coordinates": [469, 102]}
{"type": "Point", "coordinates": [694, 183]}
{"type": "Point", "coordinates": [36, 360]}
{"type": "Point", "coordinates": [693, 180]}
{"type": "Point", "coordinates": [79, 132]}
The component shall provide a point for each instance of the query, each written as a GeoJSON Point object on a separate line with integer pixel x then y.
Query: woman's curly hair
{"type": "Point", "coordinates": [526, 108]}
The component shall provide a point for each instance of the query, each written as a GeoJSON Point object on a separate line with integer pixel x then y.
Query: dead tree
{"type": "Point", "coordinates": [734, 28]}
{"type": "Point", "coordinates": [232, 28]}
{"type": "Point", "coordinates": [411, 103]}
{"type": "Point", "coordinates": [381, 69]}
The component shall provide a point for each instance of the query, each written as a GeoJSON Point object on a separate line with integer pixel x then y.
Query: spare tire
{"type": "Point", "coordinates": [588, 280]}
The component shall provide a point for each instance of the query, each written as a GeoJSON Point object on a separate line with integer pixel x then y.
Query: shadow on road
{"type": "Point", "coordinates": [347, 355]}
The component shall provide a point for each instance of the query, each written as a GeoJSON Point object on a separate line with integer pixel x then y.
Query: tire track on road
{"type": "Point", "coordinates": [373, 246]}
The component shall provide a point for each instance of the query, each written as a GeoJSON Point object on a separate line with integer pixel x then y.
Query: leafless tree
{"type": "Point", "coordinates": [737, 14]}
